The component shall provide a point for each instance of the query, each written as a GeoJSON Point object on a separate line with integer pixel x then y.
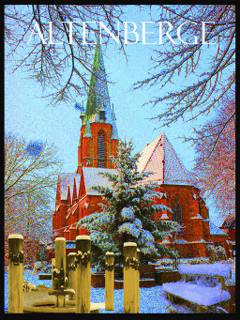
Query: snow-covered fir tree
{"type": "Point", "coordinates": [128, 213]}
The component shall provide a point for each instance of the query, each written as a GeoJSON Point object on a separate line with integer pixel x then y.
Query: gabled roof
{"type": "Point", "coordinates": [214, 230]}
{"type": "Point", "coordinates": [68, 179]}
{"type": "Point", "coordinates": [229, 222]}
{"type": "Point", "coordinates": [93, 177]}
{"type": "Point", "coordinates": [160, 158]}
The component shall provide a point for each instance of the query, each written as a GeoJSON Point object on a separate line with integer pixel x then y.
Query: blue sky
{"type": "Point", "coordinates": [31, 116]}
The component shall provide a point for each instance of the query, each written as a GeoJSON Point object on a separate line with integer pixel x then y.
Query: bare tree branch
{"type": "Point", "coordinates": [63, 69]}
{"type": "Point", "coordinates": [30, 176]}
{"type": "Point", "coordinates": [206, 89]}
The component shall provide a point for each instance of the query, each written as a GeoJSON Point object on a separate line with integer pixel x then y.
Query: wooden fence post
{"type": "Point", "coordinates": [60, 265]}
{"type": "Point", "coordinates": [109, 281]}
{"type": "Point", "coordinates": [15, 273]}
{"type": "Point", "coordinates": [129, 277]}
{"type": "Point", "coordinates": [83, 262]}
{"type": "Point", "coordinates": [138, 281]}
{"type": "Point", "coordinates": [60, 254]}
{"type": "Point", "coordinates": [72, 274]}
{"type": "Point", "coordinates": [53, 267]}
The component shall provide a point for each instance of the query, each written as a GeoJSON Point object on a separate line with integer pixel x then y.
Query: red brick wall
{"type": "Point", "coordinates": [195, 229]}
{"type": "Point", "coordinates": [88, 147]}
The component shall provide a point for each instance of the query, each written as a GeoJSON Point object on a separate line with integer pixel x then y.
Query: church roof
{"type": "Point", "coordinates": [66, 180]}
{"type": "Point", "coordinates": [93, 177]}
{"type": "Point", "coordinates": [160, 158]}
{"type": "Point", "coordinates": [229, 222]}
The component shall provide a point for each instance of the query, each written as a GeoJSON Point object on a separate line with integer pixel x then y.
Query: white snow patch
{"type": "Point", "coordinates": [164, 216]}
{"type": "Point", "coordinates": [215, 269]}
{"type": "Point", "coordinates": [198, 216]}
{"type": "Point", "coordinates": [93, 177]}
{"type": "Point", "coordinates": [201, 295]}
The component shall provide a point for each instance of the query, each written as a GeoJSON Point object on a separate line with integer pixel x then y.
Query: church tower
{"type": "Point", "coordinates": [98, 134]}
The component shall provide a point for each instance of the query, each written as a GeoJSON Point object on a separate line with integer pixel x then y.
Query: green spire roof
{"type": "Point", "coordinates": [98, 96]}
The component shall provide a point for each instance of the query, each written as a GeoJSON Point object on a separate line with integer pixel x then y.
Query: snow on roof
{"type": "Point", "coordinates": [198, 216]}
{"type": "Point", "coordinates": [145, 154]}
{"type": "Point", "coordinates": [229, 222]}
{"type": "Point", "coordinates": [93, 177]}
{"type": "Point", "coordinates": [160, 158]}
{"type": "Point", "coordinates": [174, 170]}
{"type": "Point", "coordinates": [164, 216]}
{"type": "Point", "coordinates": [215, 269]}
{"type": "Point", "coordinates": [214, 230]}
{"type": "Point", "coordinates": [196, 293]}
{"type": "Point", "coordinates": [68, 179]}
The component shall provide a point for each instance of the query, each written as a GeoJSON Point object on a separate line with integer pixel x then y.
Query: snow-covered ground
{"type": "Point", "coordinates": [215, 269]}
{"type": "Point", "coordinates": [197, 293]}
{"type": "Point", "coordinates": [152, 300]}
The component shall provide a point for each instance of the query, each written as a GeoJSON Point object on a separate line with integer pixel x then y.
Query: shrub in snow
{"type": "Point", "coordinates": [212, 253]}
{"type": "Point", "coordinates": [171, 262]}
{"type": "Point", "coordinates": [128, 213]}
{"type": "Point", "coordinates": [216, 253]}
{"type": "Point", "coordinates": [221, 252]}
{"type": "Point", "coordinates": [198, 260]}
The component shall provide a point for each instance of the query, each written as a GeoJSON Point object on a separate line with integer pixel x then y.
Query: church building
{"type": "Point", "coordinates": [76, 197]}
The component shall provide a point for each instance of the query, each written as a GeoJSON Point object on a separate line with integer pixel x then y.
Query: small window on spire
{"type": "Point", "coordinates": [102, 115]}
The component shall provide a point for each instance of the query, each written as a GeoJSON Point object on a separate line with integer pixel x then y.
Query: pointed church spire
{"type": "Point", "coordinates": [74, 197]}
{"type": "Point", "coordinates": [98, 135]}
{"type": "Point", "coordinates": [58, 192]}
{"type": "Point", "coordinates": [98, 95]}
{"type": "Point", "coordinates": [114, 135]}
{"type": "Point", "coordinates": [69, 196]}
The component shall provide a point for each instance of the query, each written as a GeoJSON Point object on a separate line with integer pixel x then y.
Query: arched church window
{"type": "Point", "coordinates": [177, 211]}
{"type": "Point", "coordinates": [101, 149]}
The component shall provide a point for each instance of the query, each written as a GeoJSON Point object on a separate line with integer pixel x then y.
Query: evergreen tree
{"type": "Point", "coordinates": [128, 213]}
